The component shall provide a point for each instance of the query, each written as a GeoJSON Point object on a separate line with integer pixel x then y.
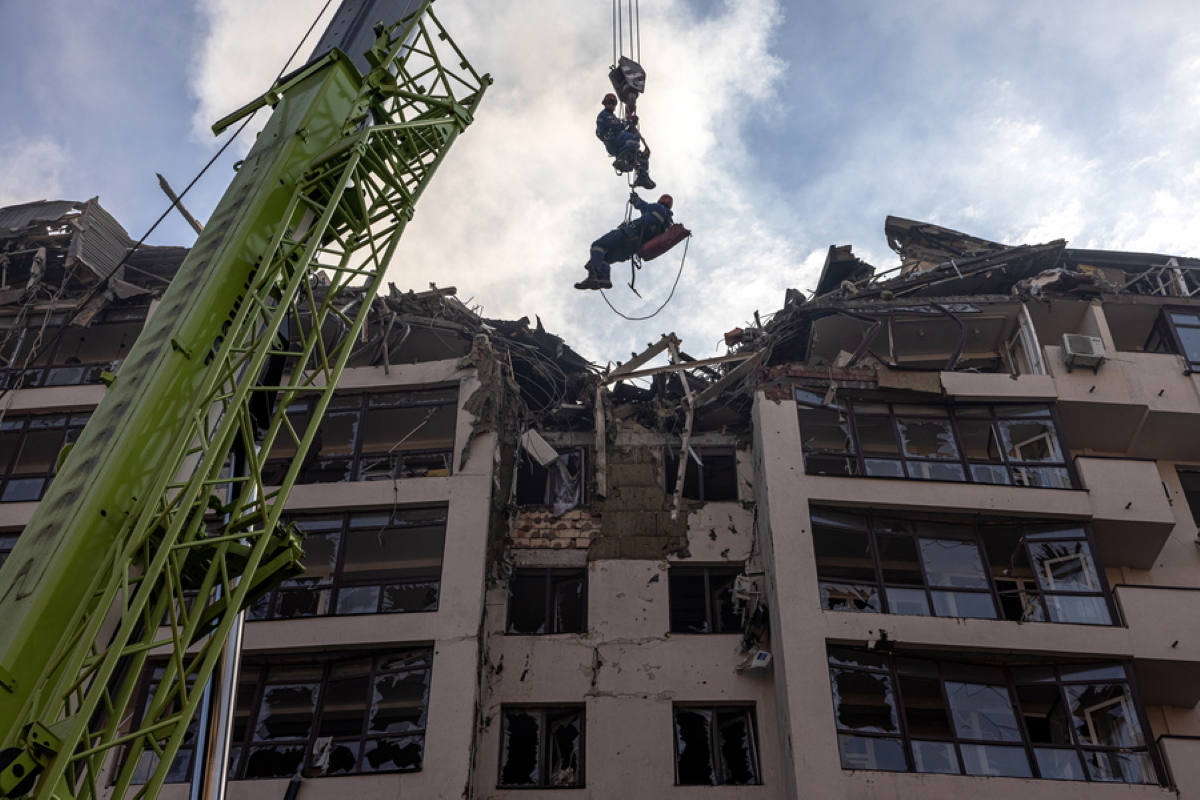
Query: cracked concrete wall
{"type": "Point", "coordinates": [627, 670]}
{"type": "Point", "coordinates": [636, 514]}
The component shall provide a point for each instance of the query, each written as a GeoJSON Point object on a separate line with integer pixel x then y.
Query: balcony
{"type": "Point", "coordinates": [1166, 660]}
{"type": "Point", "coordinates": [1131, 516]}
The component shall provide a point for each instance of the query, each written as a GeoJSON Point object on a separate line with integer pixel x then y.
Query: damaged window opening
{"type": "Point", "coordinates": [957, 568]}
{"type": "Point", "coordinates": [370, 707]}
{"type": "Point", "coordinates": [1177, 331]}
{"type": "Point", "coordinates": [1076, 722]}
{"type": "Point", "coordinates": [544, 601]}
{"type": "Point", "coordinates": [44, 350]}
{"type": "Point", "coordinates": [541, 747]}
{"type": "Point", "coordinates": [713, 478]}
{"type": "Point", "coordinates": [715, 746]}
{"type": "Point", "coordinates": [181, 766]}
{"type": "Point", "coordinates": [562, 485]}
{"type": "Point", "coordinates": [702, 599]}
{"type": "Point", "coordinates": [363, 562]}
{"type": "Point", "coordinates": [29, 449]}
{"type": "Point", "coordinates": [1013, 445]}
{"type": "Point", "coordinates": [372, 436]}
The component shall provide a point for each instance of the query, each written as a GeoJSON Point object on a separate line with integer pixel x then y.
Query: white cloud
{"type": "Point", "coordinates": [32, 170]}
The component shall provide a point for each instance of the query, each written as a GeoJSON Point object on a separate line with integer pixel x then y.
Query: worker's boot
{"type": "Point", "coordinates": [625, 161]}
{"type": "Point", "coordinates": [590, 281]}
{"type": "Point", "coordinates": [601, 278]}
{"type": "Point", "coordinates": [643, 180]}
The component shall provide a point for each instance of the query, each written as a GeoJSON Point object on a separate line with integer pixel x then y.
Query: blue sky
{"type": "Point", "coordinates": [781, 127]}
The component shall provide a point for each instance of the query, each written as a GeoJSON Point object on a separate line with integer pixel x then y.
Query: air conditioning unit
{"type": "Point", "coordinates": [1082, 351]}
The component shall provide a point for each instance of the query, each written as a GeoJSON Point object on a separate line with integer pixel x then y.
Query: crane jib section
{"type": "Point", "coordinates": [159, 528]}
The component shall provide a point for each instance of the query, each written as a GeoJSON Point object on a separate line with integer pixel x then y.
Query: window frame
{"type": "Point", "coordinates": [852, 422]}
{"type": "Point", "coordinates": [256, 672]}
{"type": "Point", "coordinates": [71, 427]}
{"type": "Point", "coordinates": [1165, 336]}
{"type": "Point", "coordinates": [49, 366]}
{"type": "Point", "coordinates": [552, 578]}
{"type": "Point", "coordinates": [545, 755]}
{"type": "Point", "coordinates": [694, 480]}
{"type": "Point", "coordinates": [529, 469]}
{"type": "Point", "coordinates": [720, 766]}
{"type": "Point", "coordinates": [933, 669]}
{"type": "Point", "coordinates": [359, 462]}
{"type": "Point", "coordinates": [726, 573]}
{"type": "Point", "coordinates": [874, 525]}
{"type": "Point", "coordinates": [337, 582]}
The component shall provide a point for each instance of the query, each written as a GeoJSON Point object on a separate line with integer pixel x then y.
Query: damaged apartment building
{"type": "Point", "coordinates": [928, 532]}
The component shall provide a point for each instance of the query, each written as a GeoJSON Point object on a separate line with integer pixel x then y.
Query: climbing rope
{"type": "Point", "coordinates": [678, 274]}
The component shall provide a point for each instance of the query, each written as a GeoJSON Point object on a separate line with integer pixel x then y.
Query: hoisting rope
{"type": "Point", "coordinates": [632, 12]}
{"type": "Point", "coordinates": [669, 296]}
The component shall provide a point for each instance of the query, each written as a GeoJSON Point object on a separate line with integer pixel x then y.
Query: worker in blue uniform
{"type": "Point", "coordinates": [625, 241]}
{"type": "Point", "coordinates": [623, 141]}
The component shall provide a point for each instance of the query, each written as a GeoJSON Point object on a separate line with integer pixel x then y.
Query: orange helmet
{"type": "Point", "coordinates": [667, 200]}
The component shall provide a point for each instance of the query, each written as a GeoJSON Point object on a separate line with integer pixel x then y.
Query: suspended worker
{"type": "Point", "coordinates": [624, 242]}
{"type": "Point", "coordinates": [623, 141]}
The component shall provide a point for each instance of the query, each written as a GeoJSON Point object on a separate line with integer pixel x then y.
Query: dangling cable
{"type": "Point", "coordinates": [669, 296]}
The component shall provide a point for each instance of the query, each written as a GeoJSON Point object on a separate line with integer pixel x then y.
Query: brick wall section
{"type": "Point", "coordinates": [539, 529]}
{"type": "Point", "coordinates": [637, 515]}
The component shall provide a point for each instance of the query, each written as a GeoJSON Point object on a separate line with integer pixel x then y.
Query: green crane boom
{"type": "Point", "coordinates": [158, 528]}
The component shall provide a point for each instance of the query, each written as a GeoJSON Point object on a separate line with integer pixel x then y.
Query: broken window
{"type": "Point", "coordinates": [1016, 444]}
{"type": "Point", "coordinates": [372, 436]}
{"type": "Point", "coordinates": [148, 761]}
{"type": "Point", "coordinates": [541, 747]}
{"type": "Point", "coordinates": [363, 562]}
{"type": "Point", "coordinates": [715, 746]}
{"type": "Point", "coordinates": [702, 600]}
{"type": "Point", "coordinates": [43, 349]}
{"type": "Point", "coordinates": [360, 713]}
{"type": "Point", "coordinates": [1064, 722]}
{"type": "Point", "coordinates": [711, 473]}
{"type": "Point", "coordinates": [946, 567]}
{"type": "Point", "coordinates": [561, 484]}
{"type": "Point", "coordinates": [1177, 331]}
{"type": "Point", "coordinates": [29, 450]}
{"type": "Point", "coordinates": [547, 600]}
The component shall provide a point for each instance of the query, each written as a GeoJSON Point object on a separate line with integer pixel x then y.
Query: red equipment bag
{"type": "Point", "coordinates": [664, 242]}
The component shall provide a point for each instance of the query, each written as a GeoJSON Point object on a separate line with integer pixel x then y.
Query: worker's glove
{"type": "Point", "coordinates": [633, 196]}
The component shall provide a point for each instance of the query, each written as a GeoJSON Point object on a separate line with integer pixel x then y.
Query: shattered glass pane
{"type": "Point", "coordinates": [569, 606]}
{"type": "Point", "coordinates": [1103, 715]}
{"type": "Point", "coordinates": [343, 758]}
{"type": "Point", "coordinates": [1132, 767]}
{"type": "Point", "coordinates": [845, 657]}
{"type": "Point", "coordinates": [519, 757]}
{"type": "Point", "coordinates": [286, 712]}
{"type": "Point", "coordinates": [398, 702]}
{"type": "Point", "coordinates": [566, 736]}
{"type": "Point", "coordinates": [1082, 610]}
{"type": "Point", "coordinates": [850, 597]}
{"type": "Point", "coordinates": [408, 597]}
{"type": "Point", "coordinates": [1064, 566]}
{"type": "Point", "coordinates": [1030, 440]}
{"type": "Point", "coordinates": [402, 754]}
{"type": "Point", "coordinates": [863, 701]}
{"type": "Point", "coordinates": [825, 429]}
{"type": "Point", "coordinates": [301, 603]}
{"type": "Point", "coordinates": [737, 748]}
{"type": "Point", "coordinates": [883, 468]}
{"type": "Point", "coordinates": [935, 757]}
{"type": "Point", "coordinates": [927, 438]}
{"type": "Point", "coordinates": [953, 563]}
{"type": "Point", "coordinates": [1057, 764]}
{"type": "Point", "coordinates": [983, 712]}
{"type": "Point", "coordinates": [280, 761]}
{"type": "Point", "coordinates": [693, 747]}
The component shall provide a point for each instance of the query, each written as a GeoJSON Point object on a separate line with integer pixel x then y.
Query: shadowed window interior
{"type": "Point", "coordinates": [1012, 444]}
{"type": "Point", "coordinates": [702, 599]}
{"type": "Point", "coordinates": [355, 713]}
{"type": "Point", "coordinates": [1025, 572]}
{"type": "Point", "coordinates": [181, 766]}
{"type": "Point", "coordinates": [1071, 722]}
{"type": "Point", "coordinates": [547, 600]}
{"type": "Point", "coordinates": [715, 746]}
{"type": "Point", "coordinates": [1177, 331]}
{"type": "Point", "coordinates": [541, 747]}
{"type": "Point", "coordinates": [363, 562]}
{"type": "Point", "coordinates": [371, 436]}
{"type": "Point", "coordinates": [7, 542]}
{"type": "Point", "coordinates": [562, 484]}
{"type": "Point", "coordinates": [42, 349]}
{"type": "Point", "coordinates": [711, 474]}
{"type": "Point", "coordinates": [1189, 480]}
{"type": "Point", "coordinates": [29, 450]}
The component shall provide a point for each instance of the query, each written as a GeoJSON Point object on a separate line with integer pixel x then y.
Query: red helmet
{"type": "Point", "coordinates": [609, 99]}
{"type": "Point", "coordinates": [667, 200]}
